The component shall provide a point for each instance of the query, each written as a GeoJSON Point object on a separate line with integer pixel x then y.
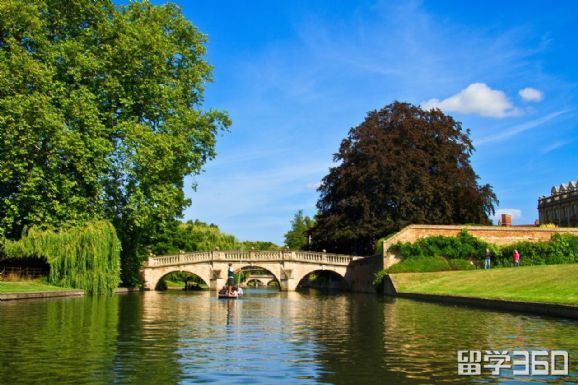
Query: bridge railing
{"type": "Point", "coordinates": [251, 255]}
{"type": "Point", "coordinates": [183, 258]}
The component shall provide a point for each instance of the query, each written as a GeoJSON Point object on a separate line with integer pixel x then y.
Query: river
{"type": "Point", "coordinates": [267, 337]}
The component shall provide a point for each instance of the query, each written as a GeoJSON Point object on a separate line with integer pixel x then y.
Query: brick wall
{"type": "Point", "coordinates": [493, 234]}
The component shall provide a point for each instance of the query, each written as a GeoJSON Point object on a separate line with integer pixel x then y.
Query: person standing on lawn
{"type": "Point", "coordinates": [516, 258]}
{"type": "Point", "coordinates": [487, 261]}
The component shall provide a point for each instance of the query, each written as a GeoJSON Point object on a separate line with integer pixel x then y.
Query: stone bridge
{"type": "Point", "coordinates": [262, 279]}
{"type": "Point", "coordinates": [287, 267]}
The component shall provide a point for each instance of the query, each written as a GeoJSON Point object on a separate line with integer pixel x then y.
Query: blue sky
{"type": "Point", "coordinates": [295, 76]}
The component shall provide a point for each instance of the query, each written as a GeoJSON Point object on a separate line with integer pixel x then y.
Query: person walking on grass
{"type": "Point", "coordinates": [516, 258]}
{"type": "Point", "coordinates": [487, 261]}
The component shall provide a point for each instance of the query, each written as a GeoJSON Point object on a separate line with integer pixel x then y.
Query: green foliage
{"type": "Point", "coordinates": [193, 236]}
{"type": "Point", "coordinates": [438, 253]}
{"type": "Point", "coordinates": [181, 280]}
{"type": "Point", "coordinates": [461, 247]}
{"type": "Point", "coordinates": [402, 165]}
{"type": "Point", "coordinates": [561, 249]}
{"type": "Point", "coordinates": [378, 279]}
{"type": "Point", "coordinates": [101, 117]}
{"type": "Point", "coordinates": [259, 245]}
{"type": "Point", "coordinates": [378, 249]}
{"type": "Point", "coordinates": [295, 238]}
{"type": "Point", "coordinates": [84, 257]}
{"type": "Point", "coordinates": [200, 236]}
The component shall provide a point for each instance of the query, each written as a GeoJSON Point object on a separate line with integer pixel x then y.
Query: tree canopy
{"type": "Point", "coordinates": [193, 236]}
{"type": "Point", "coordinates": [402, 165]}
{"type": "Point", "coordinates": [101, 116]}
{"type": "Point", "coordinates": [200, 236]}
{"type": "Point", "coordinates": [296, 238]}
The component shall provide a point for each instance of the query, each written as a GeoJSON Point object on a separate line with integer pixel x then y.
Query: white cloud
{"type": "Point", "coordinates": [515, 213]}
{"type": "Point", "coordinates": [530, 94]}
{"type": "Point", "coordinates": [477, 98]}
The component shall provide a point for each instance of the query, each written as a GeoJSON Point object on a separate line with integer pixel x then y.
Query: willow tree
{"type": "Point", "coordinates": [84, 257]}
{"type": "Point", "coordinates": [402, 165]}
{"type": "Point", "coordinates": [101, 116]}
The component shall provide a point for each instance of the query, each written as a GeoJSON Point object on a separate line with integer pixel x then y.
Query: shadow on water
{"type": "Point", "coordinates": [267, 337]}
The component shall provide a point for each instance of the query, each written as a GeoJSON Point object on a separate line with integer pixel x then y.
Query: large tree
{"type": "Point", "coordinates": [100, 116]}
{"type": "Point", "coordinates": [402, 165]}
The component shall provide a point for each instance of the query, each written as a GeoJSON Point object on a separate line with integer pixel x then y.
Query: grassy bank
{"type": "Point", "coordinates": [174, 285]}
{"type": "Point", "coordinates": [28, 286]}
{"type": "Point", "coordinates": [552, 283]}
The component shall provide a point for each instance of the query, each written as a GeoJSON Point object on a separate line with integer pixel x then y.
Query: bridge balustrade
{"type": "Point", "coordinates": [238, 255]}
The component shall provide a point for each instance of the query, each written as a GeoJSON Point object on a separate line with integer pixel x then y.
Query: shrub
{"type": "Point", "coordinates": [378, 279]}
{"type": "Point", "coordinates": [378, 250]}
{"type": "Point", "coordinates": [463, 246]}
{"type": "Point", "coordinates": [562, 248]}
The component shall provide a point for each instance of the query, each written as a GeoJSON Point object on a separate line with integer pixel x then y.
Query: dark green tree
{"type": "Point", "coordinates": [296, 238]}
{"type": "Point", "coordinates": [402, 165]}
{"type": "Point", "coordinates": [101, 117]}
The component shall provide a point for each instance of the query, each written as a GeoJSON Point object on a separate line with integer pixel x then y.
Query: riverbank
{"type": "Point", "coordinates": [556, 284]}
{"type": "Point", "coordinates": [28, 286]}
{"type": "Point", "coordinates": [545, 290]}
{"type": "Point", "coordinates": [16, 290]}
{"type": "Point", "coordinates": [29, 289]}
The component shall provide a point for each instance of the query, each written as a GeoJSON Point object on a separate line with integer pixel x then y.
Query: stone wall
{"type": "Point", "coordinates": [360, 273]}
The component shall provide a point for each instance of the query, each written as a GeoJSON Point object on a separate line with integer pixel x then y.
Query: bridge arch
{"type": "Point", "coordinates": [262, 267]}
{"type": "Point", "coordinates": [254, 281]}
{"type": "Point", "coordinates": [196, 270]}
{"type": "Point", "coordinates": [327, 278]}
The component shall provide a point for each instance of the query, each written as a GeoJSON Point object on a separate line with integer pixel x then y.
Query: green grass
{"type": "Point", "coordinates": [180, 285]}
{"type": "Point", "coordinates": [28, 286]}
{"type": "Point", "coordinates": [552, 283]}
{"type": "Point", "coordinates": [174, 285]}
{"type": "Point", "coordinates": [429, 264]}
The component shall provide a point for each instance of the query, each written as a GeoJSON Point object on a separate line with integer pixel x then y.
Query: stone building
{"type": "Point", "coordinates": [561, 207]}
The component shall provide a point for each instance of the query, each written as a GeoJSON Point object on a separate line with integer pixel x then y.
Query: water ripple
{"type": "Point", "coordinates": [265, 338]}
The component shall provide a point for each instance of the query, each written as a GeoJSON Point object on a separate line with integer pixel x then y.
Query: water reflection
{"type": "Point", "coordinates": [266, 337]}
{"type": "Point", "coordinates": [58, 341]}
